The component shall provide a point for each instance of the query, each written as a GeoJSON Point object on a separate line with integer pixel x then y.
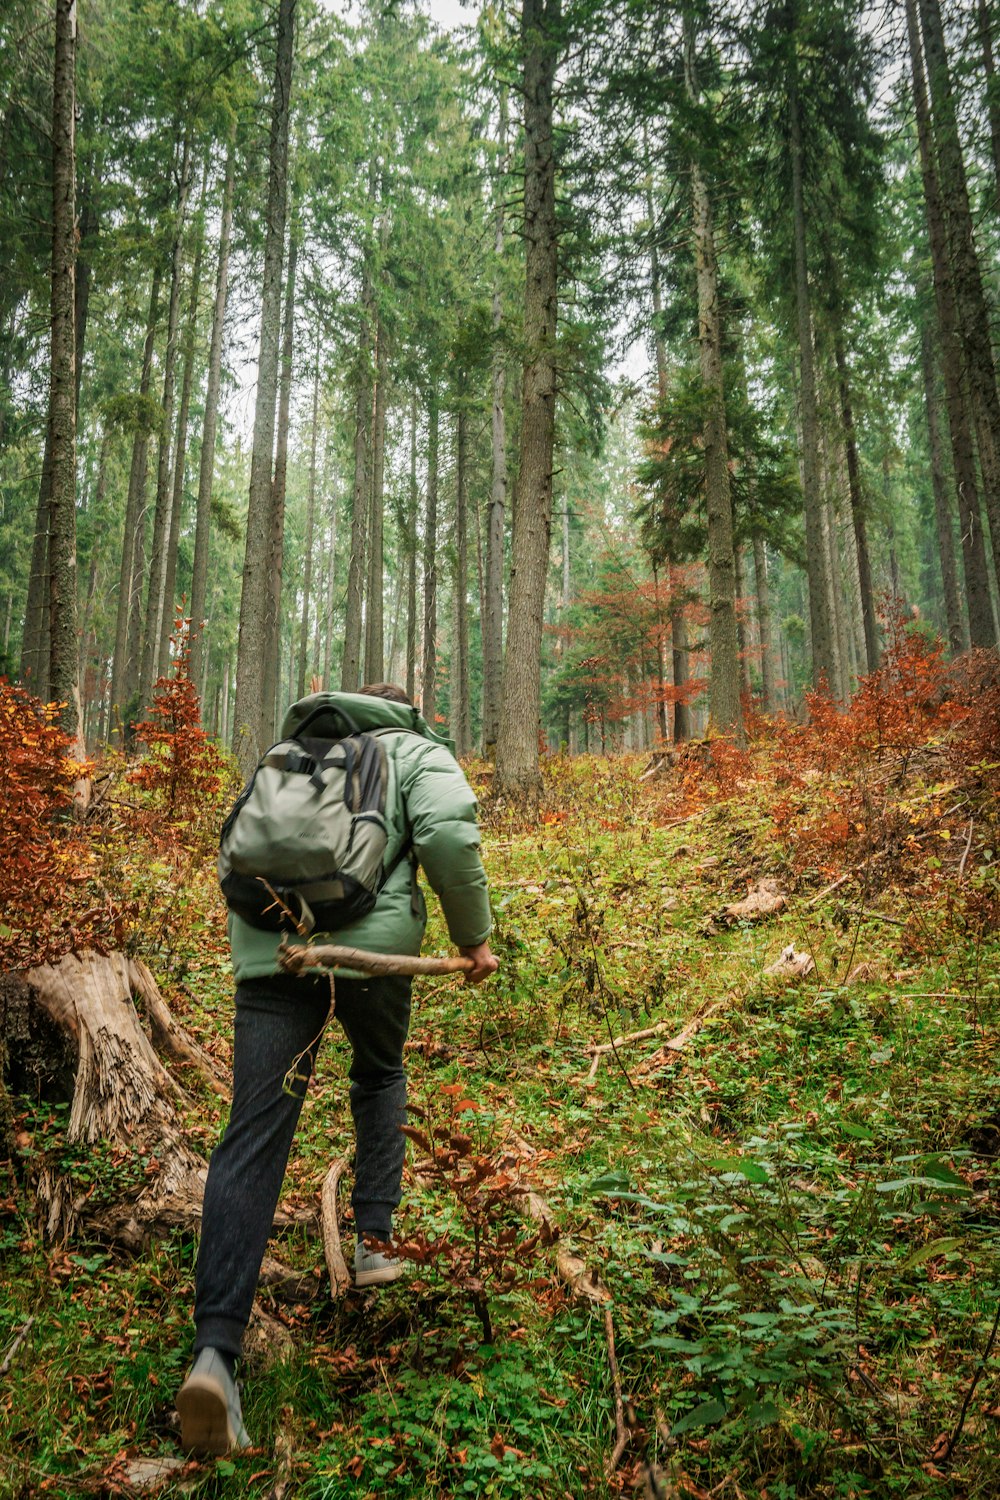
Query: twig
{"type": "Point", "coordinates": [676, 1043]}
{"type": "Point", "coordinates": [22, 1334]}
{"type": "Point", "coordinates": [972, 1386]}
{"type": "Point", "coordinates": [829, 890]}
{"type": "Point", "coordinates": [965, 851]}
{"type": "Point", "coordinates": [876, 916]}
{"type": "Point", "coordinates": [295, 958]}
{"type": "Point", "coordinates": [621, 1432]}
{"type": "Point", "coordinates": [340, 1280]}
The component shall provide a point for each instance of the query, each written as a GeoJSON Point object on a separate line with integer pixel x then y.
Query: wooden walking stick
{"type": "Point", "coordinates": [294, 958]}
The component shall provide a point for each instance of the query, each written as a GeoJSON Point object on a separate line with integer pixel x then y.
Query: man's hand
{"type": "Point", "coordinates": [485, 961]}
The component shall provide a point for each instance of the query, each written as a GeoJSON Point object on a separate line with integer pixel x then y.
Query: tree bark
{"type": "Point", "coordinates": [992, 95]}
{"type": "Point", "coordinates": [350, 676]}
{"type": "Point", "coordinates": [769, 701]}
{"type": "Point", "coordinates": [821, 625]}
{"type": "Point", "coordinates": [161, 513]}
{"type": "Point", "coordinates": [374, 620]}
{"type": "Point", "coordinates": [970, 297]}
{"type": "Point", "coordinates": [180, 445]}
{"type": "Point", "coordinates": [310, 524]}
{"type": "Point", "coordinates": [982, 631]}
{"type": "Point", "coordinates": [276, 525]}
{"type": "Point", "coordinates": [493, 600]}
{"type": "Point", "coordinates": [63, 659]}
{"type": "Point", "coordinates": [942, 507]}
{"type": "Point", "coordinates": [34, 670]}
{"type": "Point", "coordinates": [857, 503]}
{"type": "Point", "coordinates": [724, 714]}
{"type": "Point", "coordinates": [203, 514]}
{"type": "Point", "coordinates": [411, 560]}
{"type": "Point", "coordinates": [517, 769]}
{"type": "Point", "coordinates": [461, 709]}
{"type": "Point", "coordinates": [125, 666]}
{"type": "Point", "coordinates": [429, 683]}
{"type": "Point", "coordinates": [250, 708]}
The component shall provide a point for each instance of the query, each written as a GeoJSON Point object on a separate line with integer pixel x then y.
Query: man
{"type": "Point", "coordinates": [431, 813]}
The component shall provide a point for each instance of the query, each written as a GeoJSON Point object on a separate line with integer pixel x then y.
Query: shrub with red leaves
{"type": "Point", "coordinates": [44, 856]}
{"type": "Point", "coordinates": [182, 768]}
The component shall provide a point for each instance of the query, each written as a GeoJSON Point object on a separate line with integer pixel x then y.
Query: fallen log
{"type": "Point", "coordinates": [295, 957]}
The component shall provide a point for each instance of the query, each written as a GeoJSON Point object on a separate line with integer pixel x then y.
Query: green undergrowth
{"type": "Point", "coordinates": [794, 1210]}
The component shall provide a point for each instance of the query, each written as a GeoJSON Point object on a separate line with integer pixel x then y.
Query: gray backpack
{"type": "Point", "coordinates": [304, 845]}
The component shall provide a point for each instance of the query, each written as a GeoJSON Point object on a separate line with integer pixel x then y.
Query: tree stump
{"type": "Point", "coordinates": [123, 1097]}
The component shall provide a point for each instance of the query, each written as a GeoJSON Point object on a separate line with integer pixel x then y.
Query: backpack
{"type": "Point", "coordinates": [303, 847]}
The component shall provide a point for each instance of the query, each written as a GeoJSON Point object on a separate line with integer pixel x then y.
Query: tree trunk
{"type": "Point", "coordinates": [517, 771]}
{"type": "Point", "coordinates": [970, 297]}
{"type": "Point", "coordinates": [492, 622]}
{"type": "Point", "coordinates": [63, 674]}
{"type": "Point", "coordinates": [35, 651]}
{"type": "Point", "coordinates": [350, 677]}
{"type": "Point", "coordinates": [461, 713]}
{"type": "Point", "coordinates": [374, 623]}
{"type": "Point", "coordinates": [170, 600]}
{"type": "Point", "coordinates": [942, 508]}
{"type": "Point", "coordinates": [724, 715]}
{"type": "Point", "coordinates": [429, 695]}
{"type": "Point", "coordinates": [857, 504]}
{"type": "Point", "coordinates": [821, 625]}
{"type": "Point", "coordinates": [203, 514]}
{"type": "Point", "coordinates": [331, 579]}
{"type": "Point", "coordinates": [310, 523]}
{"type": "Point", "coordinates": [125, 666]}
{"type": "Point", "coordinates": [276, 525]}
{"type": "Point", "coordinates": [981, 627]}
{"type": "Point", "coordinates": [161, 513]}
{"type": "Point", "coordinates": [992, 95]}
{"type": "Point", "coordinates": [251, 708]}
{"type": "Point", "coordinates": [769, 701]}
{"type": "Point", "coordinates": [411, 561]}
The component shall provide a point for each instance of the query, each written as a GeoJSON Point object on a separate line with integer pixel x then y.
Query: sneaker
{"type": "Point", "coordinates": [371, 1268]}
{"type": "Point", "coordinates": [208, 1404]}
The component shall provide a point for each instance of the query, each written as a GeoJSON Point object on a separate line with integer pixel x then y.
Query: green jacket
{"type": "Point", "coordinates": [427, 797]}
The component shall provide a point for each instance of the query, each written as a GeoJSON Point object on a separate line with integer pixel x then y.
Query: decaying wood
{"type": "Point", "coordinates": [284, 1455]}
{"type": "Point", "coordinates": [340, 1279]}
{"type": "Point", "coordinates": [169, 1036]}
{"type": "Point", "coordinates": [675, 1044]}
{"type": "Point", "coordinates": [791, 965]}
{"type": "Point", "coordinates": [287, 1283]}
{"type": "Point", "coordinates": [123, 1097]}
{"type": "Point", "coordinates": [765, 899]}
{"type": "Point", "coordinates": [294, 958]}
{"type": "Point", "coordinates": [621, 1431]}
{"type": "Point", "coordinates": [266, 1340]}
{"type": "Point", "coordinates": [828, 890]}
{"type": "Point", "coordinates": [10, 1356]}
{"type": "Point", "coordinates": [150, 1473]}
{"type": "Point", "coordinates": [583, 1282]}
{"type": "Point", "coordinates": [124, 1101]}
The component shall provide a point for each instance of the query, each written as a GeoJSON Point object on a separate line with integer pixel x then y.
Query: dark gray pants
{"type": "Point", "coordinates": [276, 1020]}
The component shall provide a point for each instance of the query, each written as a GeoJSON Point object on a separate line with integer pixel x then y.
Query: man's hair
{"type": "Point", "coordinates": [386, 690]}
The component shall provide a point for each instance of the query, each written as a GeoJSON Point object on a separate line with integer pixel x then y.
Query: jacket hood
{"type": "Point", "coordinates": [364, 712]}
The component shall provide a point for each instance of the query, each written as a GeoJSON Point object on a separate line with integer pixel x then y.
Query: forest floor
{"type": "Point", "coordinates": [795, 1209]}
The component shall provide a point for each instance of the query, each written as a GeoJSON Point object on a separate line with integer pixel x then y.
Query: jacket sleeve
{"type": "Point", "coordinates": [441, 811]}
